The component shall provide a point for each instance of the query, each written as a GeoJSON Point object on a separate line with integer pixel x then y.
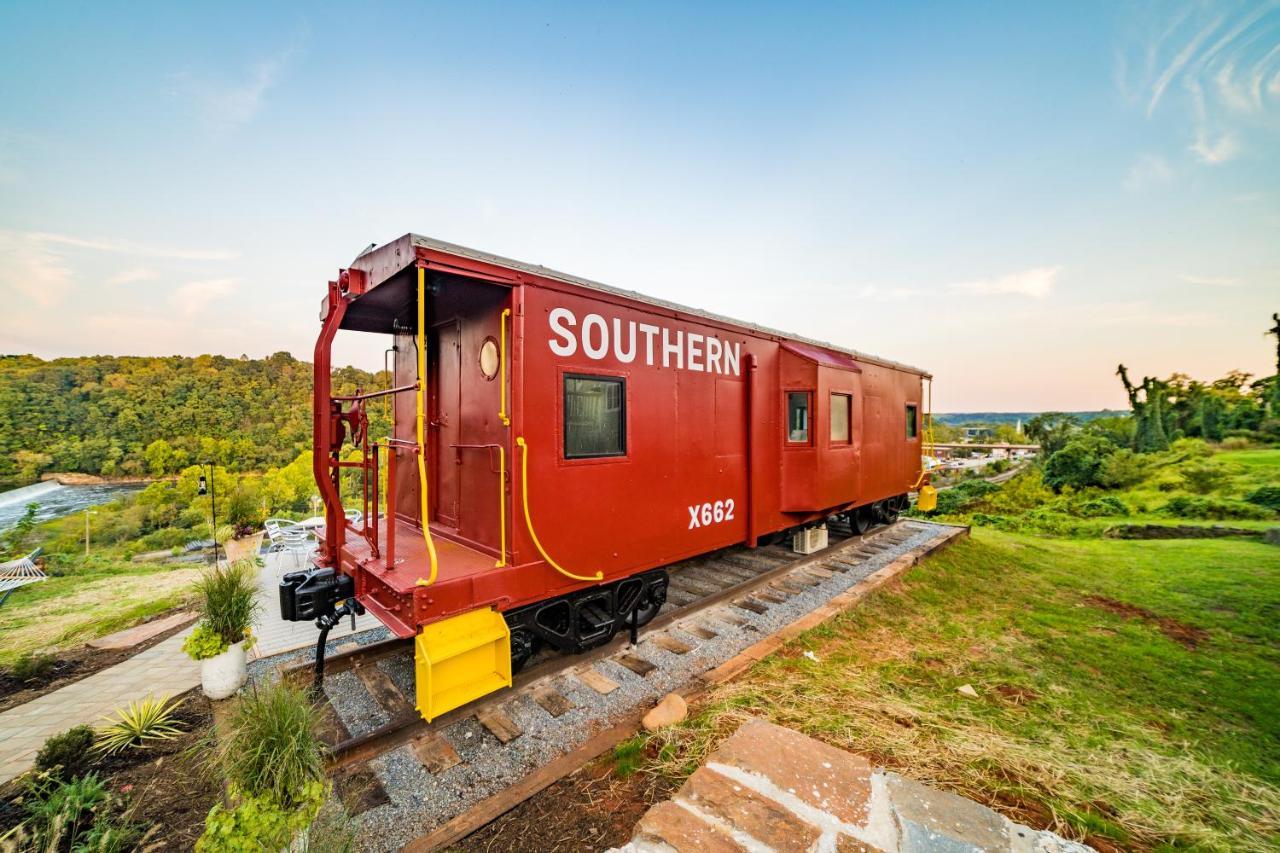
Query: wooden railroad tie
{"type": "Point", "coordinates": [752, 604]}
{"type": "Point", "coordinates": [636, 664]}
{"type": "Point", "coordinates": [671, 644]}
{"type": "Point", "coordinates": [499, 724]}
{"type": "Point", "coordinates": [601, 684]}
{"type": "Point", "coordinates": [434, 752]}
{"type": "Point", "coordinates": [553, 701]}
{"type": "Point", "coordinates": [701, 632]}
{"type": "Point", "coordinates": [383, 690]}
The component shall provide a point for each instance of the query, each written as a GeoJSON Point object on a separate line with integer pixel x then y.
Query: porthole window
{"type": "Point", "coordinates": [489, 358]}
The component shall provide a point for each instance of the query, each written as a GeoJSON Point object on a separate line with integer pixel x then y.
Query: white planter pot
{"type": "Point", "coordinates": [222, 676]}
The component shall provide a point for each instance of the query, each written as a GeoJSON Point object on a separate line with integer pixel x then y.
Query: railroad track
{"type": "Point", "coordinates": [724, 592]}
{"type": "Point", "coordinates": [752, 579]}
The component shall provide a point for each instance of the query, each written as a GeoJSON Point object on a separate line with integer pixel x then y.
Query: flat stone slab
{"type": "Point", "coordinates": [771, 788]}
{"type": "Point", "coordinates": [139, 634]}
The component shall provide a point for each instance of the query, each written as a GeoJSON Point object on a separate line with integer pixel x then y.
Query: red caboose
{"type": "Point", "coordinates": [557, 442]}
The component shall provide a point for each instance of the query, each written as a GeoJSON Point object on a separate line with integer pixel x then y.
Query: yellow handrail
{"type": "Point", "coordinates": [502, 507]}
{"type": "Point", "coordinates": [502, 451]}
{"type": "Point", "coordinates": [524, 496]}
{"type": "Point", "coordinates": [926, 446]}
{"type": "Point", "coordinates": [502, 367]}
{"type": "Point", "coordinates": [422, 443]}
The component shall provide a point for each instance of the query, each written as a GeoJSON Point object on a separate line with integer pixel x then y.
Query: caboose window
{"type": "Point", "coordinates": [840, 407]}
{"type": "Point", "coordinates": [798, 417]}
{"type": "Point", "coordinates": [594, 417]}
{"type": "Point", "coordinates": [913, 421]}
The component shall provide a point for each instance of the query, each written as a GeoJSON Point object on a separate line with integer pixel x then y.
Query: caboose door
{"type": "Point", "coordinates": [444, 375]}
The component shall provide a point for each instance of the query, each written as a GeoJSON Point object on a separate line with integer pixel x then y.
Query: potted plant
{"type": "Point", "coordinates": [220, 639]}
{"type": "Point", "coordinates": [245, 544]}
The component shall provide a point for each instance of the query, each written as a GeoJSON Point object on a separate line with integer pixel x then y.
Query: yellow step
{"type": "Point", "coordinates": [460, 659]}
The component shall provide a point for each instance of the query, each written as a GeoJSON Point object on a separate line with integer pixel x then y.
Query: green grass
{"type": "Point", "coordinates": [1149, 734]}
{"type": "Point", "coordinates": [88, 598]}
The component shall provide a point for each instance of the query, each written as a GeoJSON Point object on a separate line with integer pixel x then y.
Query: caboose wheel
{"type": "Point", "coordinates": [889, 511]}
{"type": "Point", "coordinates": [861, 519]}
{"type": "Point", "coordinates": [521, 648]}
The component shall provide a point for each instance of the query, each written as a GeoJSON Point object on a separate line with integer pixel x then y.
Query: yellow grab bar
{"type": "Point", "coordinates": [524, 499]}
{"type": "Point", "coordinates": [422, 443]}
{"type": "Point", "coordinates": [502, 367]}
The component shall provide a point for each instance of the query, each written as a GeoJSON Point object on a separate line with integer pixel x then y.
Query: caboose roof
{"type": "Point", "coordinates": [420, 241]}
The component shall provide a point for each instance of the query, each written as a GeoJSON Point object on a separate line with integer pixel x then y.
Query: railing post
{"type": "Point", "coordinates": [392, 453]}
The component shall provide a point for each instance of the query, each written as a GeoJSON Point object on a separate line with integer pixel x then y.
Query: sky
{"type": "Point", "coordinates": [1015, 196]}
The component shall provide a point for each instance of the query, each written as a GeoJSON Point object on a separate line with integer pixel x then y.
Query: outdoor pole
{"type": "Point", "coordinates": [213, 513]}
{"type": "Point", "coordinates": [86, 532]}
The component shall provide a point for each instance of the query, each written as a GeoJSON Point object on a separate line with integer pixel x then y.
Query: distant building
{"type": "Point", "coordinates": [977, 433]}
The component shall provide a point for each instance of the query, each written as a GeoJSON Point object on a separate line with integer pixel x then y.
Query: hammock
{"type": "Point", "coordinates": [19, 572]}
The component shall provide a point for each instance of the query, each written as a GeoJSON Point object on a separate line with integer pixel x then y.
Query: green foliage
{"type": "Point", "coordinates": [1218, 509]}
{"type": "Point", "coordinates": [1099, 507]}
{"type": "Point", "coordinates": [32, 666]}
{"type": "Point", "coordinates": [272, 747]}
{"type": "Point", "coordinates": [139, 724]}
{"type": "Point", "coordinates": [1266, 496]}
{"type": "Point", "coordinates": [1051, 430]}
{"type": "Point", "coordinates": [154, 416]}
{"type": "Point", "coordinates": [13, 542]}
{"type": "Point", "coordinates": [65, 755]}
{"type": "Point", "coordinates": [79, 815]}
{"type": "Point", "coordinates": [1205, 477]}
{"type": "Point", "coordinates": [259, 822]}
{"type": "Point", "coordinates": [228, 600]}
{"type": "Point", "coordinates": [1122, 469]}
{"type": "Point", "coordinates": [204, 642]}
{"type": "Point", "coordinates": [1078, 464]}
{"type": "Point", "coordinates": [962, 496]}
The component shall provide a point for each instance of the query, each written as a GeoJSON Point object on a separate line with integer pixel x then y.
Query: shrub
{"type": "Point", "coordinates": [65, 755]}
{"type": "Point", "coordinates": [1235, 442]}
{"type": "Point", "coordinates": [1101, 507]}
{"type": "Point", "coordinates": [1122, 469]}
{"type": "Point", "coordinates": [32, 666]}
{"type": "Point", "coordinates": [1204, 477]}
{"type": "Point", "coordinates": [1217, 509]}
{"type": "Point", "coordinates": [1267, 496]}
{"type": "Point", "coordinates": [1191, 448]}
{"type": "Point", "coordinates": [1078, 463]}
{"type": "Point", "coordinates": [138, 725]}
{"type": "Point", "coordinates": [962, 496]}
{"type": "Point", "coordinates": [77, 815]}
{"type": "Point", "coordinates": [227, 602]}
{"type": "Point", "coordinates": [274, 765]}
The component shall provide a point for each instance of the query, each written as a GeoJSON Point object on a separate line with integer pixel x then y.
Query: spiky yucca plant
{"type": "Point", "coordinates": [141, 723]}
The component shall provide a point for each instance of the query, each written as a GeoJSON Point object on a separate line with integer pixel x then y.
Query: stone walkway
{"type": "Point", "coordinates": [162, 670]}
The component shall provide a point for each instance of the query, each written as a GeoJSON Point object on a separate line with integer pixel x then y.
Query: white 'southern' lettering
{"type": "Point", "coordinates": [629, 341]}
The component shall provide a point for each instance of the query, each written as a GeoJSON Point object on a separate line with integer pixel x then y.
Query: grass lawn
{"type": "Point", "coordinates": [1127, 691]}
{"type": "Point", "coordinates": [101, 595]}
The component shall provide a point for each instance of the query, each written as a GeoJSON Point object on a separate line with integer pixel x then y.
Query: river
{"type": "Point", "coordinates": [55, 500]}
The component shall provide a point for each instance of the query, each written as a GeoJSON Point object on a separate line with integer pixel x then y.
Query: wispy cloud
{"type": "Point", "coordinates": [1147, 170]}
{"type": "Point", "coordinates": [887, 294]}
{"type": "Point", "coordinates": [234, 103]}
{"type": "Point", "coordinates": [1142, 313]}
{"type": "Point", "coordinates": [1211, 280]}
{"type": "Point", "coordinates": [1226, 58]}
{"type": "Point", "coordinates": [31, 269]}
{"type": "Point", "coordinates": [135, 274]}
{"type": "Point", "coordinates": [194, 296]}
{"type": "Point", "coordinates": [128, 247]}
{"type": "Point", "coordinates": [37, 264]}
{"type": "Point", "coordinates": [1036, 282]}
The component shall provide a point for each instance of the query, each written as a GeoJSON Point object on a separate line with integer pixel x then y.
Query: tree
{"type": "Point", "coordinates": [160, 457]}
{"type": "Point", "coordinates": [1211, 410]}
{"type": "Point", "coordinates": [1078, 464]}
{"type": "Point", "coordinates": [1051, 430]}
